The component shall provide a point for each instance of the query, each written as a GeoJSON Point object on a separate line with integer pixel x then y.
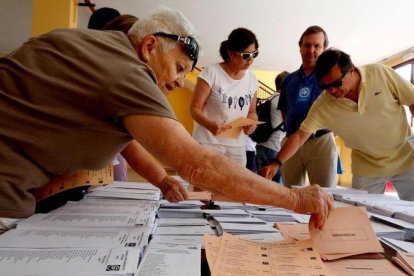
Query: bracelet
{"type": "Point", "coordinates": [277, 161]}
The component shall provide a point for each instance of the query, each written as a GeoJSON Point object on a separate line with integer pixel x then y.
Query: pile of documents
{"type": "Point", "coordinates": [406, 261]}
{"type": "Point", "coordinates": [99, 235]}
{"type": "Point", "coordinates": [231, 255]}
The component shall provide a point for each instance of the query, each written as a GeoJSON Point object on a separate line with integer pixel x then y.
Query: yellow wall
{"type": "Point", "coordinates": [52, 14]}
{"type": "Point", "coordinates": [345, 179]}
{"type": "Point", "coordinates": [267, 77]}
{"type": "Point", "coordinates": [180, 100]}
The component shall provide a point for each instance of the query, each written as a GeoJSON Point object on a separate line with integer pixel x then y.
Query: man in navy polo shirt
{"type": "Point", "coordinates": [318, 156]}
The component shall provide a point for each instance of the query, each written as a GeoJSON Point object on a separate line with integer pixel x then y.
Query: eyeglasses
{"type": "Point", "coordinates": [247, 56]}
{"type": "Point", "coordinates": [334, 84]}
{"type": "Point", "coordinates": [190, 45]}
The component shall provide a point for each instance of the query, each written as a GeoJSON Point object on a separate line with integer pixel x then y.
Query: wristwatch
{"type": "Point", "coordinates": [277, 161]}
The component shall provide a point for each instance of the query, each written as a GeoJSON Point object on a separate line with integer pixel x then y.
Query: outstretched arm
{"type": "Point", "coordinates": [170, 143]}
{"type": "Point", "coordinates": [146, 166]}
{"type": "Point", "coordinates": [293, 143]}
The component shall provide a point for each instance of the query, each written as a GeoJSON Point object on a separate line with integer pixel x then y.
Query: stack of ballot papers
{"type": "Point", "coordinates": [405, 214]}
{"type": "Point", "coordinates": [236, 205]}
{"type": "Point", "coordinates": [246, 228]}
{"type": "Point", "coordinates": [185, 230]}
{"type": "Point", "coordinates": [108, 192]}
{"type": "Point", "coordinates": [69, 261]}
{"type": "Point", "coordinates": [30, 236]}
{"type": "Point", "coordinates": [171, 259]}
{"type": "Point", "coordinates": [387, 231]}
{"type": "Point", "coordinates": [273, 215]}
{"type": "Point", "coordinates": [293, 230]}
{"type": "Point", "coordinates": [186, 204]}
{"type": "Point", "coordinates": [93, 236]}
{"type": "Point", "coordinates": [406, 261]}
{"type": "Point", "coordinates": [397, 245]}
{"type": "Point", "coordinates": [226, 213]}
{"type": "Point", "coordinates": [363, 267]}
{"type": "Point", "coordinates": [162, 222]}
{"type": "Point", "coordinates": [178, 239]}
{"type": "Point", "coordinates": [230, 255]}
{"type": "Point", "coordinates": [407, 227]}
{"type": "Point", "coordinates": [346, 232]}
{"type": "Point", "coordinates": [180, 213]}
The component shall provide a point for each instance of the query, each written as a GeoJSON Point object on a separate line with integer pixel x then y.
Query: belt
{"type": "Point", "coordinates": [318, 133]}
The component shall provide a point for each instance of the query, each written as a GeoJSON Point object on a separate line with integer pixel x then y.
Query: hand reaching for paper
{"type": "Point", "coordinates": [172, 190]}
{"type": "Point", "coordinates": [312, 200]}
{"type": "Point", "coordinates": [270, 170]}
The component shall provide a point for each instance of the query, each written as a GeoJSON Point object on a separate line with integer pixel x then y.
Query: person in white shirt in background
{"type": "Point", "coordinates": [224, 92]}
{"type": "Point", "coordinates": [251, 154]}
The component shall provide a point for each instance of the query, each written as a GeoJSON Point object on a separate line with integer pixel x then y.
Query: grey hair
{"type": "Point", "coordinates": [163, 19]}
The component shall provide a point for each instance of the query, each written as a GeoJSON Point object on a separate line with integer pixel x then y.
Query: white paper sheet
{"type": "Point", "coordinates": [167, 259]}
{"type": "Point", "coordinates": [69, 262]}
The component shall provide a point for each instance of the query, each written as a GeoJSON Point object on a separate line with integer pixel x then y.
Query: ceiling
{"type": "Point", "coordinates": [369, 30]}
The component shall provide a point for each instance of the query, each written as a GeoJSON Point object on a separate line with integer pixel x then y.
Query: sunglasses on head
{"type": "Point", "coordinates": [247, 56]}
{"type": "Point", "coordinates": [190, 45]}
{"type": "Point", "coordinates": [335, 84]}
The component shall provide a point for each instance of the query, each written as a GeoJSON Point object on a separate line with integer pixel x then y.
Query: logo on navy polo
{"type": "Point", "coordinates": [304, 94]}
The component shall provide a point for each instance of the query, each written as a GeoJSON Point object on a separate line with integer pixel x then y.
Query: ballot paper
{"type": "Point", "coordinates": [245, 220]}
{"type": "Point", "coordinates": [263, 237]}
{"type": "Point", "coordinates": [293, 230]}
{"type": "Point", "coordinates": [185, 204]}
{"type": "Point", "coordinates": [180, 213]}
{"type": "Point", "coordinates": [227, 213]}
{"type": "Point", "coordinates": [274, 215]}
{"type": "Point", "coordinates": [346, 232]}
{"type": "Point", "coordinates": [241, 257]}
{"type": "Point", "coordinates": [245, 228]}
{"type": "Point", "coordinates": [105, 203]}
{"type": "Point", "coordinates": [212, 246]}
{"type": "Point", "coordinates": [359, 267]}
{"type": "Point", "coordinates": [123, 195]}
{"type": "Point", "coordinates": [162, 222]}
{"type": "Point", "coordinates": [406, 261]}
{"type": "Point", "coordinates": [89, 220]}
{"type": "Point", "coordinates": [185, 230]}
{"type": "Point", "coordinates": [237, 127]}
{"type": "Point", "coordinates": [169, 259]}
{"type": "Point", "coordinates": [178, 239]}
{"type": "Point", "coordinates": [114, 210]}
{"type": "Point", "coordinates": [399, 245]}
{"type": "Point", "coordinates": [68, 261]}
{"type": "Point", "coordinates": [80, 237]}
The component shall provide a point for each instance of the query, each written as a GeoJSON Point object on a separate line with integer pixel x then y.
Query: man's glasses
{"type": "Point", "coordinates": [247, 56]}
{"type": "Point", "coordinates": [334, 84]}
{"type": "Point", "coordinates": [190, 45]}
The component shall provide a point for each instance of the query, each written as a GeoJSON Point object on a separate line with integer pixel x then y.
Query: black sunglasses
{"type": "Point", "coordinates": [247, 56]}
{"type": "Point", "coordinates": [334, 84]}
{"type": "Point", "coordinates": [190, 45]}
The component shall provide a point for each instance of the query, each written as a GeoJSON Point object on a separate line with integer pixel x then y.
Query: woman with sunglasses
{"type": "Point", "coordinates": [224, 92]}
{"type": "Point", "coordinates": [56, 121]}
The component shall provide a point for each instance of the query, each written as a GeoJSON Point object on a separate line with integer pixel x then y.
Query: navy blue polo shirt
{"type": "Point", "coordinates": [296, 98]}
